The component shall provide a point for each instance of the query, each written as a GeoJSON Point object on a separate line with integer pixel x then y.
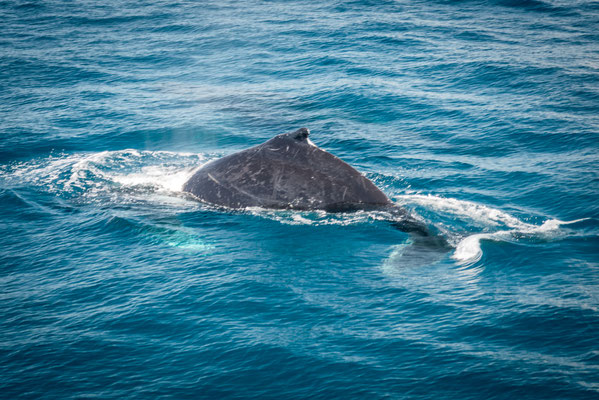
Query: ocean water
{"type": "Point", "coordinates": [480, 117]}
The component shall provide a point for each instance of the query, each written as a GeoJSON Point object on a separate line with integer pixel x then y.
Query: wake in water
{"type": "Point", "coordinates": [157, 177]}
{"type": "Point", "coordinates": [134, 189]}
{"type": "Point", "coordinates": [123, 176]}
{"type": "Point", "coordinates": [496, 224]}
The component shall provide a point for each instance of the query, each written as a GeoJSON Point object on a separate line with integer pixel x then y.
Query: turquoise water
{"type": "Point", "coordinates": [481, 117]}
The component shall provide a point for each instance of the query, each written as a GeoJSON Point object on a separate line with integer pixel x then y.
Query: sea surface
{"type": "Point", "coordinates": [479, 117]}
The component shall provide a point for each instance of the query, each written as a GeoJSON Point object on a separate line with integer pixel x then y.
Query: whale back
{"type": "Point", "coordinates": [286, 172]}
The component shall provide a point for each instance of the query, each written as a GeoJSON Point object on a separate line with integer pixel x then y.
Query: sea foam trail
{"type": "Point", "coordinates": [121, 175]}
{"type": "Point", "coordinates": [468, 249]}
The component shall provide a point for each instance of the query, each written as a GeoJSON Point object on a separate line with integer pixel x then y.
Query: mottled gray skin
{"type": "Point", "coordinates": [286, 172]}
{"type": "Point", "coordinates": [290, 172]}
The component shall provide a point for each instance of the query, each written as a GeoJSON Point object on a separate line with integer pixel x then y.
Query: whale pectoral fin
{"type": "Point", "coordinates": [424, 247]}
{"type": "Point", "coordinates": [402, 220]}
{"type": "Point", "coordinates": [411, 225]}
{"type": "Point", "coordinates": [417, 251]}
{"type": "Point", "coordinates": [430, 242]}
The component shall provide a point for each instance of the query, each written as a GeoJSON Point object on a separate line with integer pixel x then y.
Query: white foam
{"type": "Point", "coordinates": [474, 211]}
{"type": "Point", "coordinates": [468, 249]}
{"type": "Point", "coordinates": [168, 179]}
{"type": "Point", "coordinates": [114, 174]}
{"type": "Point", "coordinates": [319, 217]}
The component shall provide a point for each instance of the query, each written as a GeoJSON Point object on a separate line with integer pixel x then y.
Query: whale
{"type": "Point", "coordinates": [290, 172]}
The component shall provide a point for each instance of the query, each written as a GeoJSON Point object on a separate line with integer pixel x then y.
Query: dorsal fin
{"type": "Point", "coordinates": [301, 134]}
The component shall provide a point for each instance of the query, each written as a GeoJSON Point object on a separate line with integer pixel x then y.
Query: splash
{"type": "Point", "coordinates": [468, 247]}
{"type": "Point", "coordinates": [469, 250]}
{"type": "Point", "coordinates": [121, 176]}
{"type": "Point", "coordinates": [321, 217]}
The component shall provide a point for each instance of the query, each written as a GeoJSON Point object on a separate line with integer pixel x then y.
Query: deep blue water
{"type": "Point", "coordinates": [481, 117]}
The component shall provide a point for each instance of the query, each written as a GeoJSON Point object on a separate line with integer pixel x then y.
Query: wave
{"type": "Point", "coordinates": [497, 225]}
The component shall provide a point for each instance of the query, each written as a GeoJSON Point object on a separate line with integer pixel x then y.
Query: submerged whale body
{"type": "Point", "coordinates": [290, 172]}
